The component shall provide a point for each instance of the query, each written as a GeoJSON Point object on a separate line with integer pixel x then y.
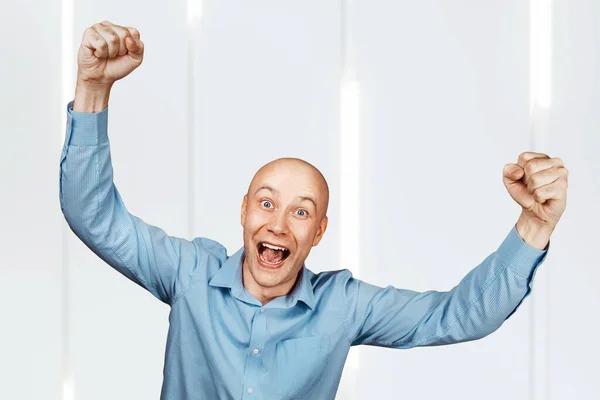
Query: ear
{"type": "Point", "coordinates": [321, 230]}
{"type": "Point", "coordinates": [244, 204]}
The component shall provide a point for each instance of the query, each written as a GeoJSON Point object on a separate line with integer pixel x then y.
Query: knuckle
{"type": "Point", "coordinates": [533, 178]}
{"type": "Point", "coordinates": [113, 37]}
{"type": "Point", "coordinates": [559, 161]}
{"type": "Point", "coordinates": [91, 32]}
{"type": "Point", "coordinates": [109, 33]}
{"type": "Point", "coordinates": [530, 167]}
{"type": "Point", "coordinates": [542, 192]}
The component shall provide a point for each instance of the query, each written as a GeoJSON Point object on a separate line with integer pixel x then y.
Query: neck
{"type": "Point", "coordinates": [261, 293]}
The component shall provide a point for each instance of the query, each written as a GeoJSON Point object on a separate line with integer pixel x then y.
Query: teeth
{"type": "Point", "coordinates": [273, 247]}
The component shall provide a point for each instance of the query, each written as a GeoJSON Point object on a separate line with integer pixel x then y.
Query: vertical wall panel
{"type": "Point", "coordinates": [118, 330]}
{"type": "Point", "coordinates": [574, 126]}
{"type": "Point", "coordinates": [445, 106]}
{"type": "Point", "coordinates": [267, 87]}
{"type": "Point", "coordinates": [30, 239]}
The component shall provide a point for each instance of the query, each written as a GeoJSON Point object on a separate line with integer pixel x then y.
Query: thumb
{"type": "Point", "coordinates": [135, 48]}
{"type": "Point", "coordinates": [517, 189]}
{"type": "Point", "coordinates": [513, 172]}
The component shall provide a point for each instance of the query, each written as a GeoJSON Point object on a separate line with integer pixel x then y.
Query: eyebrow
{"type": "Point", "coordinates": [308, 198]}
{"type": "Point", "coordinates": [302, 198]}
{"type": "Point", "coordinates": [267, 187]}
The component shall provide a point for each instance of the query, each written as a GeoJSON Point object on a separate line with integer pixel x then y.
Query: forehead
{"type": "Point", "coordinates": [288, 180]}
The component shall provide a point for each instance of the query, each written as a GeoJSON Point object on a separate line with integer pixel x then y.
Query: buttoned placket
{"type": "Point", "coordinates": [254, 356]}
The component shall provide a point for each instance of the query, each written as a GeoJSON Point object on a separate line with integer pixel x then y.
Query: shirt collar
{"type": "Point", "coordinates": [230, 276]}
{"type": "Point", "coordinates": [225, 276]}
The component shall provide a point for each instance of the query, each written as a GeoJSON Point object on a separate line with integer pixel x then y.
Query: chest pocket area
{"type": "Point", "coordinates": [299, 364]}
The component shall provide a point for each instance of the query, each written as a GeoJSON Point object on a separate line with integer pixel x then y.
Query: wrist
{"type": "Point", "coordinates": [91, 98]}
{"type": "Point", "coordinates": [533, 233]}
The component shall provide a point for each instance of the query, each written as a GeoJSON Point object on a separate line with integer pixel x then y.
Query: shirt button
{"type": "Point", "coordinates": [262, 310]}
{"type": "Point", "coordinates": [249, 390]}
{"type": "Point", "coordinates": [255, 351]}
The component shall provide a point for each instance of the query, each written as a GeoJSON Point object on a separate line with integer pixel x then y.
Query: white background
{"type": "Point", "coordinates": [444, 105]}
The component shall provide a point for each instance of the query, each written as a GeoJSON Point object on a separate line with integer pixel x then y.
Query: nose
{"type": "Point", "coordinates": [278, 223]}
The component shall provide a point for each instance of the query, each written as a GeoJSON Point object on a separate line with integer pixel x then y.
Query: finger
{"type": "Point", "coordinates": [529, 155]}
{"type": "Point", "coordinates": [94, 43]}
{"type": "Point", "coordinates": [556, 190]}
{"type": "Point", "coordinates": [545, 177]}
{"type": "Point", "coordinates": [516, 188]}
{"type": "Point", "coordinates": [538, 164]}
{"type": "Point", "coordinates": [111, 38]}
{"type": "Point", "coordinates": [512, 172]}
{"type": "Point", "coordinates": [121, 32]}
{"type": "Point", "coordinates": [134, 32]}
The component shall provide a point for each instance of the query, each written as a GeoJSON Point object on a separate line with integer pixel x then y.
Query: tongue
{"type": "Point", "coordinates": [271, 255]}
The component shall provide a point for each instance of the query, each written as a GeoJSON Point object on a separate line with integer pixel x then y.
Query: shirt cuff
{"type": "Point", "coordinates": [520, 257]}
{"type": "Point", "coordinates": [86, 129]}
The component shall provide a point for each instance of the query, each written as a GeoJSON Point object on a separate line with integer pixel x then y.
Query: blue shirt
{"type": "Point", "coordinates": [222, 342]}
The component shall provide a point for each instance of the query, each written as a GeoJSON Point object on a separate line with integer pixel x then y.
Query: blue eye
{"type": "Point", "coordinates": [301, 213]}
{"type": "Point", "coordinates": [266, 204]}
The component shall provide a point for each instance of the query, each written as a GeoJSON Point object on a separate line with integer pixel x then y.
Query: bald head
{"type": "Point", "coordinates": [301, 175]}
{"type": "Point", "coordinates": [284, 215]}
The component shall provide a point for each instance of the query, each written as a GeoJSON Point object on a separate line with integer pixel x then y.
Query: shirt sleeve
{"type": "Point", "coordinates": [95, 212]}
{"type": "Point", "coordinates": [486, 297]}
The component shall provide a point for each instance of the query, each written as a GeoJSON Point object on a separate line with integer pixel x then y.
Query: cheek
{"type": "Point", "coordinates": [254, 220]}
{"type": "Point", "coordinates": [304, 233]}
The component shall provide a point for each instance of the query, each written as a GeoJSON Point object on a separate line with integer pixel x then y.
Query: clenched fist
{"type": "Point", "coordinates": [539, 185]}
{"type": "Point", "coordinates": [108, 52]}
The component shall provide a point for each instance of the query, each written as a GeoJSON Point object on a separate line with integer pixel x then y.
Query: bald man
{"type": "Point", "coordinates": [259, 324]}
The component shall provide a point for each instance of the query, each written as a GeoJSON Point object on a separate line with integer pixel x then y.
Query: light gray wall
{"type": "Point", "coordinates": [444, 105]}
{"type": "Point", "coordinates": [574, 290]}
{"type": "Point", "coordinates": [30, 218]}
{"type": "Point", "coordinates": [445, 96]}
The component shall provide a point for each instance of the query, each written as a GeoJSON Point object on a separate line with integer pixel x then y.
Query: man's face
{"type": "Point", "coordinates": [283, 216]}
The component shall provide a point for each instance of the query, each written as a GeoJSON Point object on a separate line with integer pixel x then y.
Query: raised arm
{"type": "Point", "coordinates": [488, 295]}
{"type": "Point", "coordinates": [90, 202]}
{"type": "Point", "coordinates": [476, 307]}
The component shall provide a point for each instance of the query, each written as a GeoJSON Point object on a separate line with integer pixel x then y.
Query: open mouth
{"type": "Point", "coordinates": [272, 255]}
